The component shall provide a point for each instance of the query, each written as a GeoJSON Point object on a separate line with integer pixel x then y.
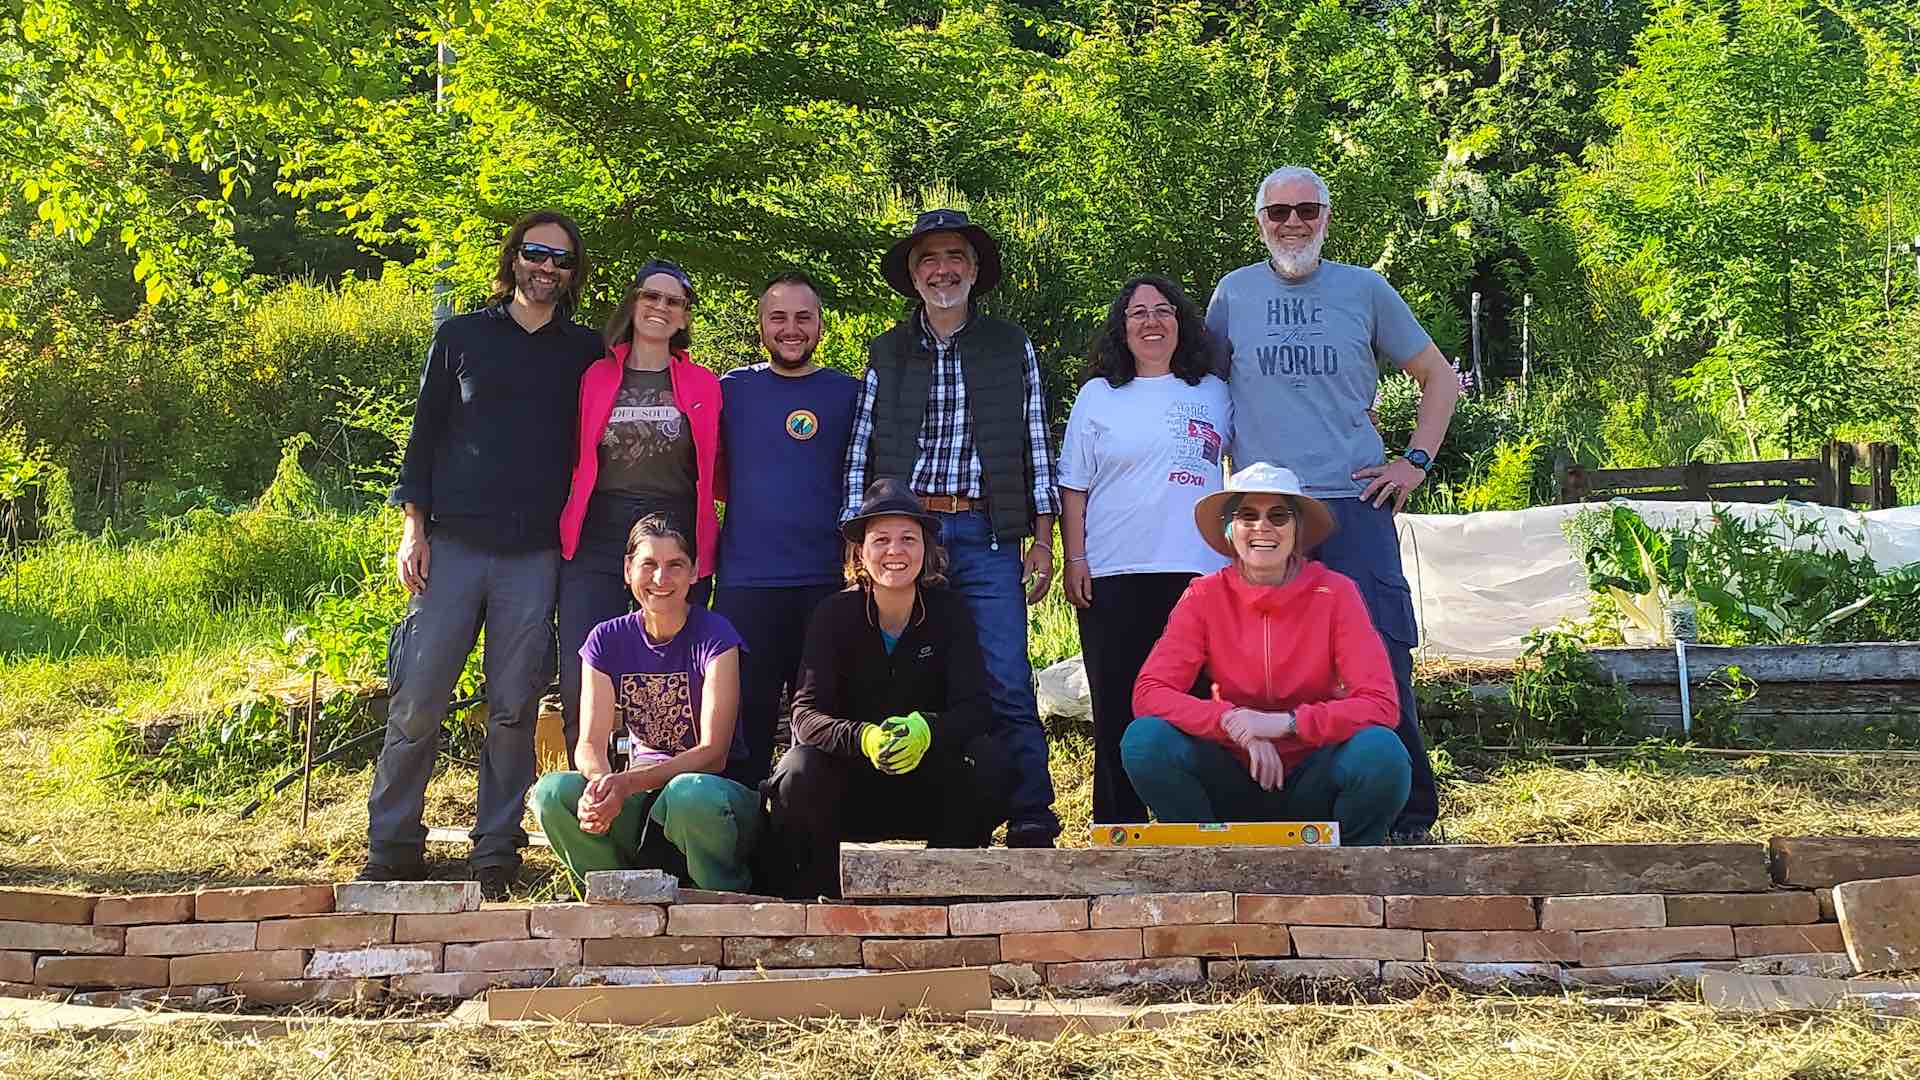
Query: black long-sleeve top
{"type": "Point", "coordinates": [847, 678]}
{"type": "Point", "coordinates": [494, 426]}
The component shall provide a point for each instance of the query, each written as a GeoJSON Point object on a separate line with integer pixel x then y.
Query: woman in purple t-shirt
{"type": "Point", "coordinates": [669, 674]}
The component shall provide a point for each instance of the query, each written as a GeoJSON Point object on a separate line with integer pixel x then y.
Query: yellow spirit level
{"type": "Point", "coordinates": [1232, 833]}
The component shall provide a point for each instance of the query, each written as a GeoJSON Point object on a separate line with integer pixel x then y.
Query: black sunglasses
{"type": "Point", "coordinates": [1277, 515]}
{"type": "Point", "coordinates": [1278, 212]}
{"type": "Point", "coordinates": [538, 254]}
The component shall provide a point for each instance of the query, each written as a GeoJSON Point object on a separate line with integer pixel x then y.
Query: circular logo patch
{"type": "Point", "coordinates": [802, 424]}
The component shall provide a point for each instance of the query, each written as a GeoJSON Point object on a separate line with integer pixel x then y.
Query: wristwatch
{"type": "Point", "coordinates": [1418, 458]}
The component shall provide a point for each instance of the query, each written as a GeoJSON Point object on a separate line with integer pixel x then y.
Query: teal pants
{"type": "Point", "coordinates": [715, 823]}
{"type": "Point", "coordinates": [1361, 783]}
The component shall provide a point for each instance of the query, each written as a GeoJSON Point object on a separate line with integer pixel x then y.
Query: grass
{"type": "Point", "coordinates": [1443, 1035]}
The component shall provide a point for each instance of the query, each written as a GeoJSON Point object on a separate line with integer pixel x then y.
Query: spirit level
{"type": "Point", "coordinates": [1232, 833]}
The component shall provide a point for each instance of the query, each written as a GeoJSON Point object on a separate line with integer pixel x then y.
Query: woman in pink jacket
{"type": "Point", "coordinates": [649, 438]}
{"type": "Point", "coordinates": [1300, 723]}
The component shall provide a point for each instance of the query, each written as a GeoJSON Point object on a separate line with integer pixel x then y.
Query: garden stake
{"type": "Point", "coordinates": [306, 786]}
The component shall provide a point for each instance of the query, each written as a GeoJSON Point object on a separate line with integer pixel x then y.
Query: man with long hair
{"type": "Point", "coordinates": [482, 483]}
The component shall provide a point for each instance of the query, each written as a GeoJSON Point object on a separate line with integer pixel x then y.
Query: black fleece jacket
{"type": "Point", "coordinates": [847, 677]}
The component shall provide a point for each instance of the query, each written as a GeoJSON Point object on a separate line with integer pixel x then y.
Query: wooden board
{"type": "Point", "coordinates": [1881, 662]}
{"type": "Point", "coordinates": [1819, 862]}
{"type": "Point", "coordinates": [1470, 870]}
{"type": "Point", "coordinates": [945, 992]}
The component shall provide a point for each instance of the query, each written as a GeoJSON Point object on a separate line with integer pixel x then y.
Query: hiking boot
{"type": "Point", "coordinates": [496, 880]}
{"type": "Point", "coordinates": [1029, 835]}
{"type": "Point", "coordinates": [410, 870]}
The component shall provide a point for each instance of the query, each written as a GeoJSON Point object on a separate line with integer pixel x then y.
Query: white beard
{"type": "Point", "coordinates": [1295, 262]}
{"type": "Point", "coordinates": [951, 296]}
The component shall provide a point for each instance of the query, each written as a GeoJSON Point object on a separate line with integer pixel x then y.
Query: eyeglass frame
{"type": "Point", "coordinates": [1293, 210]}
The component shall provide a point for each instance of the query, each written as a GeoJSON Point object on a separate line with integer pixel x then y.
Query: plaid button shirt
{"type": "Point", "coordinates": [949, 463]}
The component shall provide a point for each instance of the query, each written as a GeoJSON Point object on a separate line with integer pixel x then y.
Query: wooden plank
{"type": "Point", "coordinates": [944, 992]}
{"type": "Point", "coordinates": [1611, 479]}
{"type": "Point", "coordinates": [1873, 662]}
{"type": "Point", "coordinates": [1467, 870]}
{"type": "Point", "coordinates": [1819, 862]}
{"type": "Point", "coordinates": [1876, 698]}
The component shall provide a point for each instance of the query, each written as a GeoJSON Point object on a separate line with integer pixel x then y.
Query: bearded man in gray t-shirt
{"type": "Point", "coordinates": [1305, 337]}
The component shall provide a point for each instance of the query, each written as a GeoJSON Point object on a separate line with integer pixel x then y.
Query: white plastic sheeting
{"type": "Point", "coordinates": [1482, 581]}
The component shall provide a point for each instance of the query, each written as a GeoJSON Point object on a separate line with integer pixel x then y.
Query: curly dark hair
{"type": "Point", "coordinates": [1195, 357]}
{"type": "Point", "coordinates": [510, 247]}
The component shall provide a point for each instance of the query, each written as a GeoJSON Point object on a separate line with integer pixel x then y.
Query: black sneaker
{"type": "Point", "coordinates": [1415, 836]}
{"type": "Point", "coordinates": [1030, 836]}
{"type": "Point", "coordinates": [412, 870]}
{"type": "Point", "coordinates": [496, 880]}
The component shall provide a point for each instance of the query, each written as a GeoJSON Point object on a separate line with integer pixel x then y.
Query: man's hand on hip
{"type": "Point", "coordinates": [1395, 480]}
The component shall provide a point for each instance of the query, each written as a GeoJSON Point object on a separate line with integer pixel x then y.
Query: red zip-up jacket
{"type": "Point", "coordinates": [1306, 647]}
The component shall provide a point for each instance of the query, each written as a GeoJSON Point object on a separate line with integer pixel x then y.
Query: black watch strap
{"type": "Point", "coordinates": [1418, 458]}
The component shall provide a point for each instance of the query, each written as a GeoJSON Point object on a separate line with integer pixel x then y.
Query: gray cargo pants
{"type": "Point", "coordinates": [512, 596]}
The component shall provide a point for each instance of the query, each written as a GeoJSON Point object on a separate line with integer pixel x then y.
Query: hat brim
{"type": "Point", "coordinates": [986, 250]}
{"type": "Point", "coordinates": [1313, 521]}
{"type": "Point", "coordinates": [854, 529]}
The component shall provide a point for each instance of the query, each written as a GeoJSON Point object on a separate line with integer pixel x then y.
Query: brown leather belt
{"type": "Point", "coordinates": [950, 504]}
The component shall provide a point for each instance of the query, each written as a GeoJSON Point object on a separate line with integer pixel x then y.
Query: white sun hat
{"type": "Point", "coordinates": [1313, 520]}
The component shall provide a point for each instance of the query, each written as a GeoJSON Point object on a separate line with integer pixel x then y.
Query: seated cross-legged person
{"type": "Point", "coordinates": [670, 674]}
{"type": "Point", "coordinates": [891, 719]}
{"type": "Point", "coordinates": [1300, 724]}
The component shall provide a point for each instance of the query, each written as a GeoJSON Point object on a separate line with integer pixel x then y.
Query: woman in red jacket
{"type": "Point", "coordinates": [1300, 724]}
{"type": "Point", "coordinates": [648, 441]}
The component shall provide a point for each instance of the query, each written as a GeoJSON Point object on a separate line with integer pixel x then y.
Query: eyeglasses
{"type": "Point", "coordinates": [1278, 212]}
{"type": "Point", "coordinates": [1162, 312]}
{"type": "Point", "coordinates": [666, 300]}
{"type": "Point", "coordinates": [1276, 516]}
{"type": "Point", "coordinates": [538, 254]}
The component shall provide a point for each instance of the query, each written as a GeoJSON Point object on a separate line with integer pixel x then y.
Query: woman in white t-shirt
{"type": "Point", "coordinates": [1144, 441]}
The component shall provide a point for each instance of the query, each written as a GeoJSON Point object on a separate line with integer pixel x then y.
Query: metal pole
{"type": "Point", "coordinates": [1526, 340]}
{"type": "Point", "coordinates": [1916, 262]}
{"type": "Point", "coordinates": [306, 786]}
{"type": "Point", "coordinates": [442, 288]}
{"type": "Point", "coordinates": [1479, 372]}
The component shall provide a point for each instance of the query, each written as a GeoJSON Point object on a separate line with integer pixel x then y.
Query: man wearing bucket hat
{"type": "Point", "coordinates": [951, 404]}
{"type": "Point", "coordinates": [1300, 722]}
{"type": "Point", "coordinates": [1306, 335]}
{"type": "Point", "coordinates": [892, 730]}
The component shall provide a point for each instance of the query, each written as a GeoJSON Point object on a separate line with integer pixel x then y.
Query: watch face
{"type": "Point", "coordinates": [1419, 458]}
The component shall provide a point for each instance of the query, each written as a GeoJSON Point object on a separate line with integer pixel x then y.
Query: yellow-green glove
{"type": "Point", "coordinates": [911, 737]}
{"type": "Point", "coordinates": [875, 742]}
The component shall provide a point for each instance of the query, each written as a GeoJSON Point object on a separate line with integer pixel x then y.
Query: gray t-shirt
{"type": "Point", "coordinates": [1305, 367]}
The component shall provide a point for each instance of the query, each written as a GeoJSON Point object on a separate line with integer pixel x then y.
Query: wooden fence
{"type": "Point", "coordinates": [1827, 479]}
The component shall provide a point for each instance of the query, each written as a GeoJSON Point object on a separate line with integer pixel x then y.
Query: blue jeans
{"type": "Point", "coordinates": [1361, 783]}
{"type": "Point", "coordinates": [987, 575]}
{"type": "Point", "coordinates": [1366, 548]}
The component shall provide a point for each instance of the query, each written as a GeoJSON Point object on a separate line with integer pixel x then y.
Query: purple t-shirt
{"type": "Point", "coordinates": [656, 688]}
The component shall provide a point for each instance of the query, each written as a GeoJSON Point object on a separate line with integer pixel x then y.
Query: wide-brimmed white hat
{"type": "Point", "coordinates": [1312, 520]}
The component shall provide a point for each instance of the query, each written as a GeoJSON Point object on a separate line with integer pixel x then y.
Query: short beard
{"type": "Point", "coordinates": [784, 364]}
{"type": "Point", "coordinates": [946, 298]}
{"type": "Point", "coordinates": [529, 286]}
{"type": "Point", "coordinates": [1297, 262]}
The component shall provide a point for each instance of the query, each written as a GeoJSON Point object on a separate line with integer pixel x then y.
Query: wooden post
{"type": "Point", "coordinates": [1881, 460]}
{"type": "Point", "coordinates": [1696, 481]}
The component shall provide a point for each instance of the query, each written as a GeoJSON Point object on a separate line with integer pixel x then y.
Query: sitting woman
{"type": "Point", "coordinates": [890, 711]}
{"type": "Point", "coordinates": [1300, 723]}
{"type": "Point", "coordinates": [670, 675]}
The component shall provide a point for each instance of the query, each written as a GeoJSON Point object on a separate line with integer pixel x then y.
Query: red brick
{"type": "Point", "coordinates": [212, 968]}
{"type": "Point", "coordinates": [1742, 909]}
{"type": "Point", "coordinates": [16, 967]}
{"type": "Point", "coordinates": [1475, 974]}
{"type": "Point", "coordinates": [1117, 974]}
{"type": "Point", "coordinates": [596, 920]}
{"type": "Point", "coordinates": [649, 952]}
{"type": "Point", "coordinates": [1338, 942]}
{"type": "Point", "coordinates": [923, 953]}
{"type": "Point", "coordinates": [120, 972]}
{"type": "Point", "coordinates": [1310, 910]}
{"type": "Point", "coordinates": [1603, 912]}
{"type": "Point", "coordinates": [150, 908]}
{"type": "Point", "coordinates": [311, 991]}
{"type": "Point", "coordinates": [42, 906]}
{"type": "Point", "coordinates": [727, 920]}
{"type": "Point", "coordinates": [1777, 940]}
{"type": "Point", "coordinates": [191, 939]}
{"type": "Point", "coordinates": [30, 991]}
{"type": "Point", "coordinates": [1461, 913]}
{"type": "Point", "coordinates": [513, 955]}
{"type": "Point", "coordinates": [256, 902]}
{"type": "Point", "coordinates": [1017, 917]}
{"type": "Point", "coordinates": [878, 920]}
{"type": "Point", "coordinates": [466, 984]}
{"type": "Point", "coordinates": [635, 976]}
{"type": "Point", "coordinates": [1161, 909]}
{"type": "Point", "coordinates": [326, 932]}
{"type": "Point", "coordinates": [1289, 970]}
{"type": "Point", "coordinates": [1634, 948]}
{"type": "Point", "coordinates": [62, 938]}
{"type": "Point", "coordinates": [487, 924]}
{"type": "Point", "coordinates": [1068, 946]}
{"type": "Point", "coordinates": [1225, 939]}
{"type": "Point", "coordinates": [1687, 974]}
{"type": "Point", "coordinates": [374, 962]}
{"type": "Point", "coordinates": [406, 897]}
{"type": "Point", "coordinates": [791, 952]}
{"type": "Point", "coordinates": [1502, 946]}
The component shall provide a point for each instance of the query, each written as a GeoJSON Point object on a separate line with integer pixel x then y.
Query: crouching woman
{"type": "Point", "coordinates": [890, 712]}
{"type": "Point", "coordinates": [669, 674]}
{"type": "Point", "coordinates": [1300, 723]}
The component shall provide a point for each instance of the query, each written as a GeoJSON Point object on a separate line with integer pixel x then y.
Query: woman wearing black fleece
{"type": "Point", "coordinates": [890, 714]}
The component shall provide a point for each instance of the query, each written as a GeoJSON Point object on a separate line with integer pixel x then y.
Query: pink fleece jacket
{"type": "Point", "coordinates": [696, 392]}
{"type": "Point", "coordinates": [1306, 647]}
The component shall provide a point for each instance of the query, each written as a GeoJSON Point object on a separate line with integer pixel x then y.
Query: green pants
{"type": "Point", "coordinates": [714, 822]}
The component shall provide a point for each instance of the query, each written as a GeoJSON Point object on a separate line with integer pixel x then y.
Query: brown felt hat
{"type": "Point", "coordinates": [887, 497]}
